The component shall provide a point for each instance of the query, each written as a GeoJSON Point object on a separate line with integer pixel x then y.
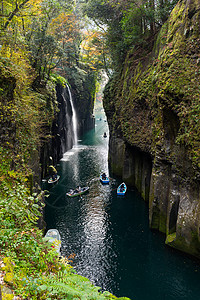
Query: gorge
{"type": "Point", "coordinates": [55, 52]}
{"type": "Point", "coordinates": [107, 237]}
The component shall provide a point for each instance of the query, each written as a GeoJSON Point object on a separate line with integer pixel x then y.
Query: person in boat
{"type": "Point", "coordinates": [77, 190]}
{"type": "Point", "coordinates": [122, 187]}
{"type": "Point", "coordinates": [103, 176]}
{"type": "Point", "coordinates": [53, 172]}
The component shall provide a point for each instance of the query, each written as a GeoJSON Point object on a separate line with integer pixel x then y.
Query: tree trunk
{"type": "Point", "coordinates": [152, 21]}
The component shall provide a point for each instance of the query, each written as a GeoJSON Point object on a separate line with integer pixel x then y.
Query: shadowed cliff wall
{"type": "Point", "coordinates": [153, 111]}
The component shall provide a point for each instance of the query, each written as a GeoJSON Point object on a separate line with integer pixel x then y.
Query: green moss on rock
{"type": "Point", "coordinates": [154, 99]}
{"type": "Point", "coordinates": [178, 242]}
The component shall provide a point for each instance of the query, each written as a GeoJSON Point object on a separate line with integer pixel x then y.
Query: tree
{"type": "Point", "coordinates": [50, 37]}
{"type": "Point", "coordinates": [128, 22]}
{"type": "Point", "coordinates": [94, 51]}
{"type": "Point", "coordinates": [65, 28]}
{"type": "Point", "coordinates": [107, 15]}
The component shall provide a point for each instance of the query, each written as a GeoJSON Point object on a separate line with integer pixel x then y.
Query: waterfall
{"type": "Point", "coordinates": [74, 119]}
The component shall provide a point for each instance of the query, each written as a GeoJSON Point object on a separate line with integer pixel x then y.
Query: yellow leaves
{"type": "Point", "coordinates": [18, 64]}
{"type": "Point", "coordinates": [19, 12]}
{"type": "Point", "coordinates": [64, 18]}
{"type": "Point", "coordinates": [2, 178]}
{"type": "Point", "coordinates": [92, 48]}
{"type": "Point", "coordinates": [9, 270]}
{"type": "Point", "coordinates": [34, 4]}
{"type": "Point", "coordinates": [12, 174]}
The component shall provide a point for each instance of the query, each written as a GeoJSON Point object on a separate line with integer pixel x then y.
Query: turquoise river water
{"type": "Point", "coordinates": [109, 235]}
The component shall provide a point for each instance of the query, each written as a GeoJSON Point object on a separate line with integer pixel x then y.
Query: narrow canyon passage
{"type": "Point", "coordinates": [109, 235]}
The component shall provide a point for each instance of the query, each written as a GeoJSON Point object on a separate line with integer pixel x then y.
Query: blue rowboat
{"type": "Point", "coordinates": [104, 180]}
{"type": "Point", "coordinates": [121, 190]}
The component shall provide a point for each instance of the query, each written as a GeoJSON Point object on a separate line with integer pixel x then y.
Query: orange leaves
{"type": "Point", "coordinates": [93, 48]}
{"type": "Point", "coordinates": [63, 20]}
{"type": "Point", "coordinates": [64, 27]}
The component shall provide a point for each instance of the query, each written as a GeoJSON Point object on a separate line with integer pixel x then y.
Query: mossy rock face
{"type": "Point", "coordinates": [192, 247]}
{"type": "Point", "coordinates": [157, 99]}
{"type": "Point", "coordinates": [83, 88]}
{"type": "Point", "coordinates": [152, 103]}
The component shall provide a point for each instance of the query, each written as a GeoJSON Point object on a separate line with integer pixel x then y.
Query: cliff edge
{"type": "Point", "coordinates": [153, 110]}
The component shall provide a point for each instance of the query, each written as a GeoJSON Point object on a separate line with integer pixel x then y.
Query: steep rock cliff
{"type": "Point", "coordinates": [153, 112]}
{"type": "Point", "coordinates": [61, 130]}
{"type": "Point", "coordinates": [82, 82]}
{"type": "Point", "coordinates": [59, 133]}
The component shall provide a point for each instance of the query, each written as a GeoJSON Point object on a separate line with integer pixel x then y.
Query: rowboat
{"type": "Point", "coordinates": [53, 236]}
{"type": "Point", "coordinates": [55, 180]}
{"type": "Point", "coordinates": [121, 190]}
{"type": "Point", "coordinates": [104, 179]}
{"type": "Point", "coordinates": [75, 193]}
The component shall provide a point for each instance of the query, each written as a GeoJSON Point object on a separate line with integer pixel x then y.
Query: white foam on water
{"type": "Point", "coordinates": [69, 153]}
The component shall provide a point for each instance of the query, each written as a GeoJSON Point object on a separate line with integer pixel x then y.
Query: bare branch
{"type": "Point", "coordinates": [15, 11]}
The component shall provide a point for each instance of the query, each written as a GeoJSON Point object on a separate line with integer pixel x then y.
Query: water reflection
{"type": "Point", "coordinates": [94, 251]}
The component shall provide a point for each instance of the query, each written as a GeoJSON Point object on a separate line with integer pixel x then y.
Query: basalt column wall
{"type": "Point", "coordinates": [133, 165]}
{"type": "Point", "coordinates": [152, 107]}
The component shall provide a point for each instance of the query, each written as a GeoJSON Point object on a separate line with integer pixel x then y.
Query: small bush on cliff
{"type": "Point", "coordinates": [58, 79]}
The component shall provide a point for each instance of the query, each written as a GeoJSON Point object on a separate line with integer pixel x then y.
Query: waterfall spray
{"type": "Point", "coordinates": [74, 119]}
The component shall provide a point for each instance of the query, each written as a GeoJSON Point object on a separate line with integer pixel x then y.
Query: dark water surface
{"type": "Point", "coordinates": [110, 235]}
